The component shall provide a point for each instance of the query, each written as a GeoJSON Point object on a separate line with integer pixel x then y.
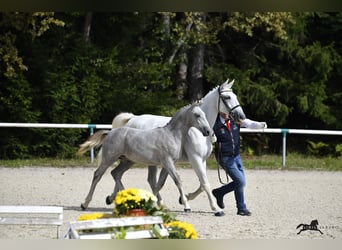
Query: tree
{"type": "Point", "coordinates": [26, 24]}
{"type": "Point", "coordinates": [86, 67]}
{"type": "Point", "coordinates": [17, 94]}
{"type": "Point", "coordinates": [87, 26]}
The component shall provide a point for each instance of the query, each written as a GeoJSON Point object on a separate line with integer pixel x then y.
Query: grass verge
{"type": "Point", "coordinates": [269, 162]}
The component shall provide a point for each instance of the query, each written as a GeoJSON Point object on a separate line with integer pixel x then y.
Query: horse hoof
{"type": "Point", "coordinates": [108, 200]}
{"type": "Point", "coordinates": [219, 214]}
{"type": "Point", "coordinates": [187, 210]}
{"type": "Point", "coordinates": [83, 207]}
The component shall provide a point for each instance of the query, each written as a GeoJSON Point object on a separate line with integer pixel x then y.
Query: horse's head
{"type": "Point", "coordinates": [228, 102]}
{"type": "Point", "coordinates": [314, 223]}
{"type": "Point", "coordinates": [199, 120]}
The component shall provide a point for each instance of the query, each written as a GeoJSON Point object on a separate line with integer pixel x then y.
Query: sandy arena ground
{"type": "Point", "coordinates": [279, 201]}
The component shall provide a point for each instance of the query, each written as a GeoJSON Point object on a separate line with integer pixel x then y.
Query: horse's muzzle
{"type": "Point", "coordinates": [206, 132]}
{"type": "Point", "coordinates": [238, 114]}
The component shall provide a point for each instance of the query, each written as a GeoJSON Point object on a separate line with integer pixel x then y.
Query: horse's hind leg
{"type": "Point", "coordinates": [117, 174]}
{"type": "Point", "coordinates": [156, 187]}
{"type": "Point", "coordinates": [96, 178]}
{"type": "Point", "coordinates": [152, 178]}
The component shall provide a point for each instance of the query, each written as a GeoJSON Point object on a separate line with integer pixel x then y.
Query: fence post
{"type": "Point", "coordinates": [284, 131]}
{"type": "Point", "coordinates": [91, 127]}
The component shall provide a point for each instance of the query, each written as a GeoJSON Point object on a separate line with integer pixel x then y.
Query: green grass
{"type": "Point", "coordinates": [47, 162]}
{"type": "Point", "coordinates": [293, 162]}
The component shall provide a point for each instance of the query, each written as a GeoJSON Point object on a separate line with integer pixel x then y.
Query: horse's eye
{"type": "Point", "coordinates": [197, 115]}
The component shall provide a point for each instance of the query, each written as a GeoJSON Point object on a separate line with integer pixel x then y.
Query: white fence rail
{"type": "Point", "coordinates": [91, 127]}
{"type": "Point", "coordinates": [285, 131]}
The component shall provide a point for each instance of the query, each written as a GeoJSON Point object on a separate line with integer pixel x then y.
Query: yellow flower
{"type": "Point", "coordinates": [181, 230]}
{"type": "Point", "coordinates": [133, 198]}
{"type": "Point", "coordinates": [93, 216]}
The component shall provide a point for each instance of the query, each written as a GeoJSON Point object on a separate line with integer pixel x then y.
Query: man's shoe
{"type": "Point", "coordinates": [244, 212]}
{"type": "Point", "coordinates": [219, 198]}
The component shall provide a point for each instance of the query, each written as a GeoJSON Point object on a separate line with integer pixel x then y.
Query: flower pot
{"type": "Point", "coordinates": [136, 212]}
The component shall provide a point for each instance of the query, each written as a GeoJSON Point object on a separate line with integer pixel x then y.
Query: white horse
{"type": "Point", "coordinates": [159, 146]}
{"type": "Point", "coordinates": [197, 149]}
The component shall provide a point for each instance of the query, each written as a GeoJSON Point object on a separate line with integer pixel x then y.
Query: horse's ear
{"type": "Point", "coordinates": [230, 84]}
{"type": "Point", "coordinates": [196, 104]}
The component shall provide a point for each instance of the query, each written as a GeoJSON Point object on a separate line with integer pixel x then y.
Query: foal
{"type": "Point", "coordinates": [160, 146]}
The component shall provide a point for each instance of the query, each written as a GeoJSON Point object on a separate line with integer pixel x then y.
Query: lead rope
{"type": "Point", "coordinates": [218, 168]}
{"type": "Point", "coordinates": [219, 175]}
{"type": "Point", "coordinates": [219, 145]}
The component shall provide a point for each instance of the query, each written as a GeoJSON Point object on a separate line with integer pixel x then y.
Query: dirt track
{"type": "Point", "coordinates": [279, 201]}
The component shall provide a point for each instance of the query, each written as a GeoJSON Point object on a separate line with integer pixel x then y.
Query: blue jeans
{"type": "Point", "coordinates": [234, 168]}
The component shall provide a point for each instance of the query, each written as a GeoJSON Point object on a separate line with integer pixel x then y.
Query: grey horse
{"type": "Point", "coordinates": [159, 146]}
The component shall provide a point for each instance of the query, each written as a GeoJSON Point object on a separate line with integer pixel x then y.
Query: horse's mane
{"type": "Point", "coordinates": [198, 102]}
{"type": "Point", "coordinates": [213, 90]}
{"type": "Point", "coordinates": [181, 111]}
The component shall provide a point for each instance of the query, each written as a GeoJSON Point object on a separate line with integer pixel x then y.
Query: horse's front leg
{"type": "Point", "coordinates": [198, 149]}
{"type": "Point", "coordinates": [117, 174]}
{"type": "Point", "coordinates": [200, 167]}
{"type": "Point", "coordinates": [169, 166]}
{"type": "Point", "coordinates": [192, 196]}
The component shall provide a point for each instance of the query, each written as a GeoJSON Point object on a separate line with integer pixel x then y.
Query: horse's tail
{"type": "Point", "coordinates": [121, 119]}
{"type": "Point", "coordinates": [94, 140]}
{"type": "Point", "coordinates": [299, 226]}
